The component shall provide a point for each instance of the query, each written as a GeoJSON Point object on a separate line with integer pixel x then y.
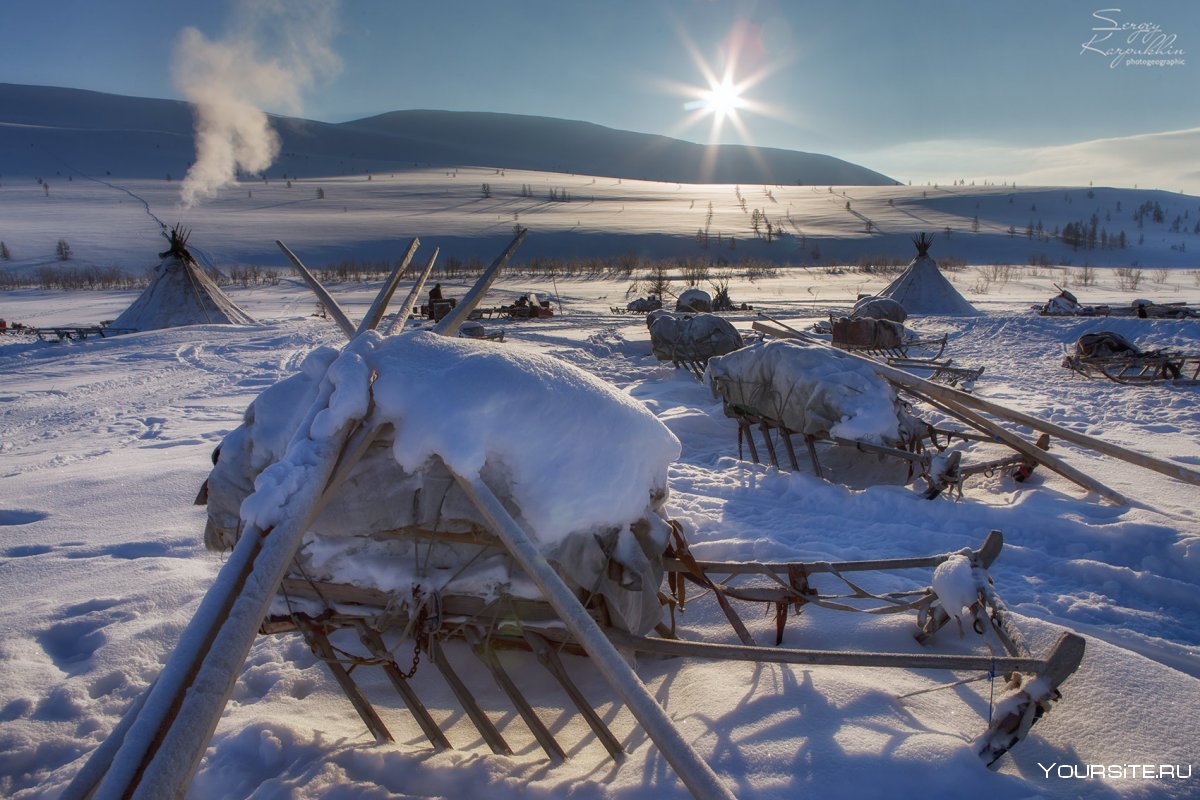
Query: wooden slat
{"type": "Point", "coordinates": [548, 657]}
{"type": "Point", "coordinates": [986, 554]}
{"type": "Point", "coordinates": [374, 643]}
{"type": "Point", "coordinates": [377, 309]}
{"type": "Point", "coordinates": [402, 316]}
{"type": "Point", "coordinates": [483, 650]}
{"type": "Point", "coordinates": [462, 311]}
{"type": "Point", "coordinates": [331, 305]}
{"type": "Point", "coordinates": [484, 725]}
{"type": "Point", "coordinates": [832, 658]}
{"type": "Point", "coordinates": [320, 645]}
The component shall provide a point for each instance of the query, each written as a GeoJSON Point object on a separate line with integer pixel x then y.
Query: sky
{"type": "Point", "coordinates": [923, 91]}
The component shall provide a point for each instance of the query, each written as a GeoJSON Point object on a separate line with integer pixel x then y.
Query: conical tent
{"type": "Point", "coordinates": [181, 293]}
{"type": "Point", "coordinates": [923, 289]}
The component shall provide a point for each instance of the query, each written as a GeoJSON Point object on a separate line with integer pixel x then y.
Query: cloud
{"type": "Point", "coordinates": [275, 51]}
{"type": "Point", "coordinates": [1150, 160]}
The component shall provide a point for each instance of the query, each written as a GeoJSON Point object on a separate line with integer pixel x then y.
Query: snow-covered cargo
{"type": "Point", "coordinates": [683, 338]}
{"type": "Point", "coordinates": [814, 390]}
{"type": "Point", "coordinates": [694, 300]}
{"type": "Point", "coordinates": [582, 466]}
{"type": "Point", "coordinates": [875, 307]}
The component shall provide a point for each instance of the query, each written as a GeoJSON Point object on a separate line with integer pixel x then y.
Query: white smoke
{"type": "Point", "coordinates": [277, 49]}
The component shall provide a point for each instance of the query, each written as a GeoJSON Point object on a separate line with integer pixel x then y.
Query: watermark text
{"type": "Point", "coordinates": [1132, 44]}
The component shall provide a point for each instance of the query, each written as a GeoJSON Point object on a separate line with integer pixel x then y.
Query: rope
{"type": "Point", "coordinates": [992, 696]}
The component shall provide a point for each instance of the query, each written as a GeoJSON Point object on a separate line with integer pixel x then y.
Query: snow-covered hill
{"type": "Point", "coordinates": [86, 168]}
{"type": "Point", "coordinates": [471, 212]}
{"type": "Point", "coordinates": [43, 128]}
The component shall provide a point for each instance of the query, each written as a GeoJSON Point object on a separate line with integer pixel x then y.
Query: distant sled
{"type": "Point", "coordinates": [1110, 355]}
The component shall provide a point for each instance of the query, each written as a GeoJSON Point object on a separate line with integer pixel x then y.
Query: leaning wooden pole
{"type": "Point", "coordinates": [160, 750]}
{"type": "Point", "coordinates": [695, 773]}
{"type": "Point", "coordinates": [331, 305]}
{"type": "Point", "coordinates": [1027, 449]}
{"type": "Point", "coordinates": [461, 312]}
{"type": "Point", "coordinates": [958, 397]}
{"type": "Point", "coordinates": [401, 319]}
{"type": "Point", "coordinates": [375, 312]}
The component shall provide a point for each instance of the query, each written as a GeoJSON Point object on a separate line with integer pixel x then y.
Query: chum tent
{"type": "Point", "coordinates": [180, 293]}
{"type": "Point", "coordinates": [923, 289]}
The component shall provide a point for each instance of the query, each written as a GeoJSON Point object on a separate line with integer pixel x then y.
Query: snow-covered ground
{"type": "Point", "coordinates": [104, 444]}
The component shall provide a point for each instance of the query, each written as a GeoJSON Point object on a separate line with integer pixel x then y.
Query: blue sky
{"type": "Point", "coordinates": [921, 90]}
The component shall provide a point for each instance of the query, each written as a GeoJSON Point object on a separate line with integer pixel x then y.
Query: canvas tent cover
{"type": "Point", "coordinates": [691, 337]}
{"type": "Point", "coordinates": [580, 465]}
{"type": "Point", "coordinates": [923, 289]}
{"type": "Point", "coordinates": [181, 293]}
{"type": "Point", "coordinates": [812, 389]}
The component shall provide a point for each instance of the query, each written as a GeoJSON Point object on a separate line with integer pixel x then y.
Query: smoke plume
{"type": "Point", "coordinates": [276, 49]}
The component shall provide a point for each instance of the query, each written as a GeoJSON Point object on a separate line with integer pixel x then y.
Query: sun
{"type": "Point", "coordinates": [722, 99]}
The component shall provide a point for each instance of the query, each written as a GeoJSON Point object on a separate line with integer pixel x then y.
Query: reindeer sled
{"type": "Point", "coordinates": [1111, 355]}
{"type": "Point", "coordinates": [985, 421]}
{"type": "Point", "coordinates": [387, 514]}
{"type": "Point", "coordinates": [689, 340]}
{"type": "Point", "coordinates": [800, 388]}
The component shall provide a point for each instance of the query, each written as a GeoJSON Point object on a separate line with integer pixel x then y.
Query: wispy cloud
{"type": "Point", "coordinates": [1164, 160]}
{"type": "Point", "coordinates": [276, 50]}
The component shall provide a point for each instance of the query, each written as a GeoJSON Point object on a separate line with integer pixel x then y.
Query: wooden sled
{"type": "Point", "coordinates": [883, 339]}
{"type": "Point", "coordinates": [1140, 369]}
{"type": "Point", "coordinates": [77, 334]}
{"type": "Point", "coordinates": [421, 632]}
{"type": "Point", "coordinates": [995, 420]}
{"type": "Point", "coordinates": [923, 456]}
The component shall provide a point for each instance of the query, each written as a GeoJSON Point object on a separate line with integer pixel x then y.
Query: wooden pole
{"type": "Point", "coordinates": [693, 770]}
{"type": "Point", "coordinates": [161, 749]}
{"type": "Point", "coordinates": [375, 313]}
{"type": "Point", "coordinates": [331, 305]}
{"type": "Point", "coordinates": [401, 319]}
{"type": "Point", "coordinates": [1030, 451]}
{"type": "Point", "coordinates": [828, 658]}
{"type": "Point", "coordinates": [459, 314]}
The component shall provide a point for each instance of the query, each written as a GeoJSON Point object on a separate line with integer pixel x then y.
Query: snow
{"type": "Point", "coordinates": [105, 442]}
{"type": "Point", "coordinates": [955, 586]}
{"type": "Point", "coordinates": [577, 454]}
{"type": "Point", "coordinates": [812, 389]}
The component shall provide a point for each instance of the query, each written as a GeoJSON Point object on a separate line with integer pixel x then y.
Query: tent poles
{"type": "Point", "coordinates": [375, 313]}
{"type": "Point", "coordinates": [331, 305]}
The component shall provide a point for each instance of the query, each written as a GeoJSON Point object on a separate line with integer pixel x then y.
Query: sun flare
{"type": "Point", "coordinates": [723, 98]}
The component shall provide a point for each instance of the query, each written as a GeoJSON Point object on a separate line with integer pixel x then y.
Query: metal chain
{"type": "Point", "coordinates": [419, 630]}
